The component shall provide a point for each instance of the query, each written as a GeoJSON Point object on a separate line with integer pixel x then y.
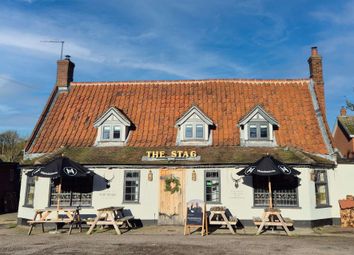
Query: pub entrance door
{"type": "Point", "coordinates": [172, 197]}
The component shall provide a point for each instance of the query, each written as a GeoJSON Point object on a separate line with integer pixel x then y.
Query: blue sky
{"type": "Point", "coordinates": [158, 40]}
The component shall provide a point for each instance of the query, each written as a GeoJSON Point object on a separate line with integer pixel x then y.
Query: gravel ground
{"type": "Point", "coordinates": [170, 240]}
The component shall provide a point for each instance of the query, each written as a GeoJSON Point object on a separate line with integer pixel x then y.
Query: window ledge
{"type": "Point", "coordinates": [130, 203]}
{"type": "Point", "coordinates": [84, 207]}
{"type": "Point", "coordinates": [323, 206]}
{"type": "Point", "coordinates": [28, 206]}
{"type": "Point", "coordinates": [282, 207]}
{"type": "Point", "coordinates": [109, 143]}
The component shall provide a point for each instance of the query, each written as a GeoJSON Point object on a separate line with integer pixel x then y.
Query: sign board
{"type": "Point", "coordinates": [171, 156]}
{"type": "Point", "coordinates": [196, 216]}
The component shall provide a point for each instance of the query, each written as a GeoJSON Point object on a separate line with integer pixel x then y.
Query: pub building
{"type": "Point", "coordinates": [155, 145]}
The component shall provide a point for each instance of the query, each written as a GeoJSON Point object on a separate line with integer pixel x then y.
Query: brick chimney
{"type": "Point", "coordinates": [315, 64]}
{"type": "Point", "coordinates": [65, 72]}
{"type": "Point", "coordinates": [343, 111]}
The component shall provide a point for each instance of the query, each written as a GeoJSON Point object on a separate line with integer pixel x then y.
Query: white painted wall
{"type": "Point", "coordinates": [147, 208]}
{"type": "Point", "coordinates": [341, 185]}
{"type": "Point", "coordinates": [238, 200]}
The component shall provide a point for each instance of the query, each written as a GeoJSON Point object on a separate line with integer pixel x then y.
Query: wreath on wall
{"type": "Point", "coordinates": [172, 184]}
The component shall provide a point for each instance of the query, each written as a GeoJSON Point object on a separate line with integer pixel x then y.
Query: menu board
{"type": "Point", "coordinates": [195, 212]}
{"type": "Point", "coordinates": [196, 216]}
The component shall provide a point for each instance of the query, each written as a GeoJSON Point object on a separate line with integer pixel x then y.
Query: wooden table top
{"type": "Point", "coordinates": [111, 208]}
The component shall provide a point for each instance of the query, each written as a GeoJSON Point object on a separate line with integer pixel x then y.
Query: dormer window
{"type": "Point", "coordinates": [194, 128]}
{"type": "Point", "coordinates": [258, 131]}
{"type": "Point", "coordinates": [257, 128]}
{"type": "Point", "coordinates": [112, 128]}
{"type": "Point", "coordinates": [111, 132]}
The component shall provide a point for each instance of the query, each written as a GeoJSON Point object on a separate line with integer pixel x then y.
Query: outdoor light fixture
{"type": "Point", "coordinates": [150, 176]}
{"type": "Point", "coordinates": [313, 176]}
{"type": "Point", "coordinates": [194, 176]}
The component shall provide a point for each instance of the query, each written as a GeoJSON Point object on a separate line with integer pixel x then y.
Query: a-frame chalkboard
{"type": "Point", "coordinates": [196, 217]}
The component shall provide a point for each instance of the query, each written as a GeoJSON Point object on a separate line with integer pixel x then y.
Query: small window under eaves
{"type": "Point", "coordinates": [112, 128]}
{"type": "Point", "coordinates": [257, 129]}
{"type": "Point", "coordinates": [194, 128]}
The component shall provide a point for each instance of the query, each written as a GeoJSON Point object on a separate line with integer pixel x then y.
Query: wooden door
{"type": "Point", "coordinates": [172, 202]}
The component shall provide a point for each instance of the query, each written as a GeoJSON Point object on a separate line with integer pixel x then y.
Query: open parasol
{"type": "Point", "coordinates": [268, 166]}
{"type": "Point", "coordinates": [59, 168]}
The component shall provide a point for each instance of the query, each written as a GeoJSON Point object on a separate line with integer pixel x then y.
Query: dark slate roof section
{"type": "Point", "coordinates": [208, 156]}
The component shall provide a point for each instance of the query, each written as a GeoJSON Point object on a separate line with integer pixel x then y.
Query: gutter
{"type": "Point", "coordinates": [320, 119]}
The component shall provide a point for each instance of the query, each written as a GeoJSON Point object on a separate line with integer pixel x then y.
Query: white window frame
{"type": "Point", "coordinates": [218, 193]}
{"type": "Point", "coordinates": [112, 118]}
{"type": "Point", "coordinates": [258, 125]}
{"type": "Point", "coordinates": [194, 137]}
{"type": "Point", "coordinates": [258, 117]}
{"type": "Point", "coordinates": [137, 179]}
{"type": "Point", "coordinates": [111, 132]}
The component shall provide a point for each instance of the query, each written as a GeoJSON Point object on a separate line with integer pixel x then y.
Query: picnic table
{"type": "Point", "coordinates": [56, 216]}
{"type": "Point", "coordinates": [218, 217]}
{"type": "Point", "coordinates": [110, 216]}
{"type": "Point", "coordinates": [272, 218]}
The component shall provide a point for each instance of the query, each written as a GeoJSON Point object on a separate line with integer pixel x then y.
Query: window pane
{"type": "Point", "coordinates": [131, 186]}
{"type": "Point", "coordinates": [264, 131]}
{"type": "Point", "coordinates": [30, 191]}
{"type": "Point", "coordinates": [189, 131]}
{"type": "Point", "coordinates": [321, 194]}
{"type": "Point", "coordinates": [75, 192]}
{"type": "Point", "coordinates": [212, 187]}
{"type": "Point", "coordinates": [284, 191]}
{"type": "Point", "coordinates": [106, 131]}
{"type": "Point", "coordinates": [321, 188]}
{"type": "Point", "coordinates": [116, 132]}
{"type": "Point", "coordinates": [253, 131]}
{"type": "Point", "coordinates": [199, 131]}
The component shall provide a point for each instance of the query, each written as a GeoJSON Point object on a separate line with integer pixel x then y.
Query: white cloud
{"type": "Point", "coordinates": [344, 16]}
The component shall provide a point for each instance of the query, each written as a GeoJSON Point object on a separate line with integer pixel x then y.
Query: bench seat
{"type": "Point", "coordinates": [288, 222]}
{"type": "Point", "coordinates": [119, 221]}
{"type": "Point", "coordinates": [31, 222]}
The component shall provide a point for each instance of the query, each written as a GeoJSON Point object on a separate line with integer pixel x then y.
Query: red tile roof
{"type": "Point", "coordinates": [154, 106]}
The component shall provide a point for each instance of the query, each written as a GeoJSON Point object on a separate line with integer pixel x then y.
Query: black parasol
{"type": "Point", "coordinates": [59, 168]}
{"type": "Point", "coordinates": [268, 166]}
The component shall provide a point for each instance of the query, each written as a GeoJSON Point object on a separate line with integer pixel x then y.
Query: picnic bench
{"type": "Point", "coordinates": [56, 216]}
{"type": "Point", "coordinates": [272, 218]}
{"type": "Point", "coordinates": [218, 217]}
{"type": "Point", "coordinates": [110, 216]}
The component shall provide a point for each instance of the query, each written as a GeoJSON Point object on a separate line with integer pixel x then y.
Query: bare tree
{"type": "Point", "coordinates": [350, 105]}
{"type": "Point", "coordinates": [11, 146]}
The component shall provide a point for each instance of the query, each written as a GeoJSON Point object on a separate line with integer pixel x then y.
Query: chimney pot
{"type": "Point", "coordinates": [67, 57]}
{"type": "Point", "coordinates": [314, 51]}
{"type": "Point", "coordinates": [343, 111]}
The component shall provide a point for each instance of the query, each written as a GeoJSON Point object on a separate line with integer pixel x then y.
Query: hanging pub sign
{"type": "Point", "coordinates": [196, 217]}
{"type": "Point", "coordinates": [172, 155]}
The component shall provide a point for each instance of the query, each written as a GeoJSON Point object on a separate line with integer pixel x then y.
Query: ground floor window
{"type": "Point", "coordinates": [284, 191]}
{"type": "Point", "coordinates": [29, 198]}
{"type": "Point", "coordinates": [321, 188]}
{"type": "Point", "coordinates": [74, 192]}
{"type": "Point", "coordinates": [131, 186]}
{"type": "Point", "coordinates": [212, 186]}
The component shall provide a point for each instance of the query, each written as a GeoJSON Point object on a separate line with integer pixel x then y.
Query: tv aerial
{"type": "Point", "coordinates": [57, 41]}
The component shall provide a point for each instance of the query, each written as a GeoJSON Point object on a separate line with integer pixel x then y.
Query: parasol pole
{"type": "Point", "coordinates": [270, 193]}
{"type": "Point", "coordinates": [59, 192]}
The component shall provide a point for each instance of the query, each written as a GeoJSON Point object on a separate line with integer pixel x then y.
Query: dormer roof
{"type": "Point", "coordinates": [197, 111]}
{"type": "Point", "coordinates": [258, 109]}
{"type": "Point", "coordinates": [116, 113]}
